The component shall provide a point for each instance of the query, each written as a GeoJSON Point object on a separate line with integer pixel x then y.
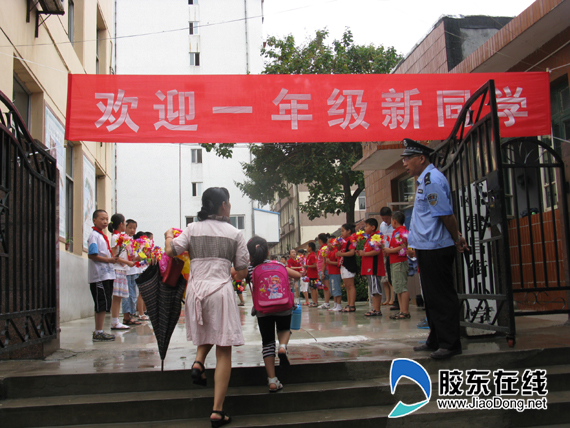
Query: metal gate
{"type": "Point", "coordinates": [28, 238]}
{"type": "Point", "coordinates": [537, 215]}
{"type": "Point", "coordinates": [470, 159]}
{"type": "Point", "coordinates": [505, 202]}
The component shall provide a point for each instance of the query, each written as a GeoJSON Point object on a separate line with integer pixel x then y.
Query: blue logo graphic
{"type": "Point", "coordinates": [403, 367]}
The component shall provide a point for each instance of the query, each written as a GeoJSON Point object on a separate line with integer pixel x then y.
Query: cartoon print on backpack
{"type": "Point", "coordinates": [274, 288]}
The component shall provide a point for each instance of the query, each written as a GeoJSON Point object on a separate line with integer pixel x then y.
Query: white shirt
{"type": "Point", "coordinates": [98, 271]}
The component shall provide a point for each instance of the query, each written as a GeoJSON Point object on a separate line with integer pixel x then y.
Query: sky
{"type": "Point", "coordinates": [398, 23]}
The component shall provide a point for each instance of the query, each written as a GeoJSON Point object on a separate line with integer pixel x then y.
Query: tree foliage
{"type": "Point", "coordinates": [324, 167]}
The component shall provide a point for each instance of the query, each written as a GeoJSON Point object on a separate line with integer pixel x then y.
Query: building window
{"type": "Point", "coordinates": [560, 112]}
{"type": "Point", "coordinates": [362, 202]}
{"type": "Point", "coordinates": [71, 20]}
{"type": "Point", "coordinates": [22, 99]}
{"type": "Point", "coordinates": [195, 58]}
{"type": "Point", "coordinates": [548, 175]}
{"type": "Point", "coordinates": [192, 2]}
{"type": "Point", "coordinates": [196, 155]}
{"type": "Point", "coordinates": [406, 190]}
{"type": "Point", "coordinates": [196, 189]}
{"type": "Point", "coordinates": [238, 221]}
{"type": "Point", "coordinates": [193, 27]}
{"type": "Point", "coordinates": [191, 219]}
{"type": "Point", "coordinates": [69, 173]}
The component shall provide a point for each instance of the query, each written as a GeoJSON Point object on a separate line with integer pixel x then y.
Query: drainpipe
{"type": "Point", "coordinates": [298, 214]}
{"type": "Point", "coordinates": [246, 43]}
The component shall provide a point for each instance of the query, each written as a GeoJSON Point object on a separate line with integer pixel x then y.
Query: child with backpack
{"type": "Point", "coordinates": [273, 303]}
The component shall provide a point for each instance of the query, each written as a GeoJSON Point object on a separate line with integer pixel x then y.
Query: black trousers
{"type": "Point", "coordinates": [440, 296]}
{"type": "Point", "coordinates": [268, 325]}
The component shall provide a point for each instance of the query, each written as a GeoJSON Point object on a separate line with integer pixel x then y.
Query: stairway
{"type": "Point", "coordinates": [344, 394]}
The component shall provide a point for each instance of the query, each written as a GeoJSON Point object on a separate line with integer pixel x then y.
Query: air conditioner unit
{"type": "Point", "coordinates": [291, 220]}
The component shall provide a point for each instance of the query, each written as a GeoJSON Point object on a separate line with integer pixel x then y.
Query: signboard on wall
{"type": "Point", "coordinates": [89, 198]}
{"type": "Point", "coordinates": [266, 225]}
{"type": "Point", "coordinates": [54, 139]}
{"type": "Point", "coordinates": [294, 108]}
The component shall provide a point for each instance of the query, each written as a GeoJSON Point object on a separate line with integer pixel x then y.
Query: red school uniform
{"type": "Point", "coordinates": [399, 236]}
{"type": "Point", "coordinates": [312, 272]}
{"type": "Point", "coordinates": [292, 263]}
{"type": "Point", "coordinates": [372, 265]}
{"type": "Point", "coordinates": [333, 269]}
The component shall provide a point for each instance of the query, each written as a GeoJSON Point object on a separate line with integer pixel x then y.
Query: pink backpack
{"type": "Point", "coordinates": [270, 288]}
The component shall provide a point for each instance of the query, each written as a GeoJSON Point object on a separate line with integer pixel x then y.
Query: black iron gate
{"type": "Point", "coordinates": [537, 209]}
{"type": "Point", "coordinates": [470, 159]}
{"type": "Point", "coordinates": [505, 200]}
{"type": "Point", "coordinates": [28, 237]}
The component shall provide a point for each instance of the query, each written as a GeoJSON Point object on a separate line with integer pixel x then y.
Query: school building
{"type": "Point", "coordinates": [535, 40]}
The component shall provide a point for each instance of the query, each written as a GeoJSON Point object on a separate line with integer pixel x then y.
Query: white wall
{"type": "Point", "coordinates": [154, 181]}
{"type": "Point", "coordinates": [221, 37]}
{"type": "Point", "coordinates": [154, 184]}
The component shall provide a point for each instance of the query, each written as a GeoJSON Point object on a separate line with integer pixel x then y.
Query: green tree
{"type": "Point", "coordinates": [324, 167]}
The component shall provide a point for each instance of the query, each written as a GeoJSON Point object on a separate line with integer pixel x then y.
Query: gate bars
{"type": "Point", "coordinates": [511, 205]}
{"type": "Point", "coordinates": [28, 236]}
{"type": "Point", "coordinates": [470, 159]}
{"type": "Point", "coordinates": [538, 229]}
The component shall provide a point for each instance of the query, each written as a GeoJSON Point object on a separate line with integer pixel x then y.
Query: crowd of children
{"type": "Point", "coordinates": [112, 274]}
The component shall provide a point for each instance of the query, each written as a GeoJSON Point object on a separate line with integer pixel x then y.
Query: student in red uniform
{"type": "Point", "coordinates": [334, 276]}
{"type": "Point", "coordinates": [372, 266]}
{"type": "Point", "coordinates": [399, 264]}
{"type": "Point", "coordinates": [294, 264]}
{"type": "Point", "coordinates": [312, 274]}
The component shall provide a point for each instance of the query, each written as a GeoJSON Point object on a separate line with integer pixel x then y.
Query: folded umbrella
{"type": "Point", "coordinates": [163, 303]}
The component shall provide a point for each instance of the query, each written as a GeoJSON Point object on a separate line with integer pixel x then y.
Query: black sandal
{"type": "Point", "coordinates": [216, 423]}
{"type": "Point", "coordinates": [197, 378]}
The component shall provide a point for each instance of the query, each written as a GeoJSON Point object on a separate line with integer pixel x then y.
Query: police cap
{"type": "Point", "coordinates": [414, 148]}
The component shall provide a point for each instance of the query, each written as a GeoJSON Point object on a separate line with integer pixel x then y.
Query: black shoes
{"type": "Point", "coordinates": [442, 354]}
{"type": "Point", "coordinates": [423, 348]}
{"type": "Point", "coordinates": [196, 374]}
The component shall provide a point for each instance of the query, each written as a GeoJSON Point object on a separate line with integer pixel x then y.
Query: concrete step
{"type": "Point", "coordinates": [428, 416]}
{"type": "Point", "coordinates": [132, 398]}
{"type": "Point", "coordinates": [143, 406]}
{"type": "Point", "coordinates": [29, 386]}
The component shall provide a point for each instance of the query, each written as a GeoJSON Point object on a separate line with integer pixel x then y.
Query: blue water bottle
{"type": "Point", "coordinates": [296, 315]}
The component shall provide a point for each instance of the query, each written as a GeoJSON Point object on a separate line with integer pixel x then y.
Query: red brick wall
{"type": "Point", "coordinates": [522, 259]}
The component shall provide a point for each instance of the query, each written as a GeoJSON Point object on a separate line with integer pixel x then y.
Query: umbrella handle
{"type": "Point", "coordinates": [161, 365]}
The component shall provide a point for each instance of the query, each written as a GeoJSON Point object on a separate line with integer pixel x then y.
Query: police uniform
{"type": "Point", "coordinates": [436, 252]}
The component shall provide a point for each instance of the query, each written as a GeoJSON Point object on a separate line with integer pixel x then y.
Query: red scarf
{"type": "Point", "coordinates": [96, 229]}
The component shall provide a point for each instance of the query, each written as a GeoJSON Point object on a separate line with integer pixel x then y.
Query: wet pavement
{"type": "Point", "coordinates": [325, 336]}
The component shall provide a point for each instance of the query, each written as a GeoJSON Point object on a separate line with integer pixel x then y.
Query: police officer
{"type": "Point", "coordinates": [435, 237]}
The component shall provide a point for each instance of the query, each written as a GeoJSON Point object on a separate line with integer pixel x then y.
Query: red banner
{"type": "Point", "coordinates": [294, 108]}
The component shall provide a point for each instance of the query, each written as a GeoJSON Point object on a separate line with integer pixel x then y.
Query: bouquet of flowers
{"type": "Point", "coordinates": [376, 241]}
{"type": "Point", "coordinates": [164, 259]}
{"type": "Point", "coordinates": [324, 251]}
{"type": "Point", "coordinates": [125, 242]}
{"type": "Point", "coordinates": [238, 285]}
{"type": "Point", "coordinates": [399, 237]}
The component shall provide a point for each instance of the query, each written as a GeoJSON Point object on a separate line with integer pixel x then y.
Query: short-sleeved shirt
{"type": "Point", "coordinates": [292, 263]}
{"type": "Point", "coordinates": [333, 269]}
{"type": "Point", "coordinates": [312, 272]}
{"type": "Point", "coordinates": [386, 230]}
{"type": "Point", "coordinates": [98, 271]}
{"type": "Point", "coordinates": [372, 265]}
{"type": "Point", "coordinates": [433, 200]}
{"type": "Point", "coordinates": [399, 236]}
